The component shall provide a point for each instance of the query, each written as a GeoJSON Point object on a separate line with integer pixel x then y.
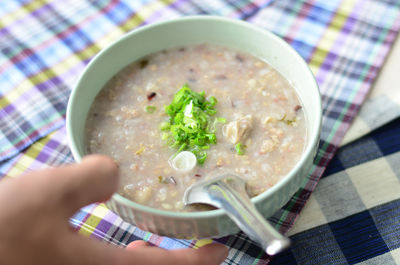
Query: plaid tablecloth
{"type": "Point", "coordinates": [353, 216]}
{"type": "Point", "coordinates": [383, 102]}
{"type": "Point", "coordinates": [46, 44]}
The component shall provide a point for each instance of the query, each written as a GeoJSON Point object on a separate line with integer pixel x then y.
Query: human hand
{"type": "Point", "coordinates": [36, 207]}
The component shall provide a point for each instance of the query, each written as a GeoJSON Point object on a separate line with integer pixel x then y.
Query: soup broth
{"type": "Point", "coordinates": [259, 124]}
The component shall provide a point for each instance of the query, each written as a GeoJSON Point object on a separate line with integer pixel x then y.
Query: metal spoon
{"type": "Point", "coordinates": [228, 192]}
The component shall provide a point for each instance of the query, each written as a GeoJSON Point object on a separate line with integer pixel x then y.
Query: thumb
{"type": "Point", "coordinates": [95, 179]}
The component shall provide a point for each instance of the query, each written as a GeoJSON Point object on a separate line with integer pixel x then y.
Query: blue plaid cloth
{"type": "Point", "coordinates": [358, 205]}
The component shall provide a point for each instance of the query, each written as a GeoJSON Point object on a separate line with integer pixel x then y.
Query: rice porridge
{"type": "Point", "coordinates": [181, 115]}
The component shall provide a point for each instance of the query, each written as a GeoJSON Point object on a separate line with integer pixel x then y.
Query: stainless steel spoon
{"type": "Point", "coordinates": [228, 192]}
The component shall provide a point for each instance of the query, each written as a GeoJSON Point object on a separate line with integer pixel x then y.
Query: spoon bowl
{"type": "Point", "coordinates": [228, 193]}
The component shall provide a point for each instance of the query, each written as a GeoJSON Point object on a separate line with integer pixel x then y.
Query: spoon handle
{"type": "Point", "coordinates": [246, 216]}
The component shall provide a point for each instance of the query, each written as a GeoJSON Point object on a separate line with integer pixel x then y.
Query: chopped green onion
{"type": "Point", "coordinates": [150, 109]}
{"type": "Point", "coordinates": [191, 123]}
{"type": "Point", "coordinates": [183, 161]}
{"type": "Point", "coordinates": [220, 120]}
{"type": "Point", "coordinates": [240, 149]}
{"type": "Point", "coordinates": [183, 146]}
{"type": "Point", "coordinates": [213, 101]}
{"type": "Point", "coordinates": [164, 126]}
{"type": "Point", "coordinates": [201, 157]}
{"type": "Point", "coordinates": [164, 136]}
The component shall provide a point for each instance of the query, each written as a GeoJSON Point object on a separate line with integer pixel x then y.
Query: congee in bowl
{"type": "Point", "coordinates": [187, 113]}
{"type": "Point", "coordinates": [186, 99]}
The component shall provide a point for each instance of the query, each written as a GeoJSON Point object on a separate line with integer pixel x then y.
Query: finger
{"type": "Point", "coordinates": [95, 179]}
{"type": "Point", "coordinates": [213, 254]}
{"type": "Point", "coordinates": [90, 251]}
{"type": "Point", "coordinates": [210, 254]}
{"type": "Point", "coordinates": [137, 244]}
{"type": "Point", "coordinates": [85, 250]}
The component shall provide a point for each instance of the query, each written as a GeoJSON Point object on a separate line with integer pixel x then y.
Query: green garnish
{"type": "Point", "coordinates": [164, 126]}
{"type": "Point", "coordinates": [150, 109]}
{"type": "Point", "coordinates": [164, 136]}
{"type": "Point", "coordinates": [240, 149]}
{"type": "Point", "coordinates": [220, 120]}
{"type": "Point", "coordinates": [288, 121]}
{"type": "Point", "coordinates": [191, 125]}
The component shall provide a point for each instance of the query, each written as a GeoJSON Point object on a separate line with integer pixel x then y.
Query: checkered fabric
{"type": "Point", "coordinates": [353, 216]}
{"type": "Point", "coordinates": [344, 42]}
{"type": "Point", "coordinates": [383, 102]}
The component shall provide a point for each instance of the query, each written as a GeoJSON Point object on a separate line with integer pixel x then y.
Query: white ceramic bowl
{"type": "Point", "coordinates": [187, 31]}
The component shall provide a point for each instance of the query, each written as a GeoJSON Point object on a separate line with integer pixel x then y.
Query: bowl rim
{"type": "Point", "coordinates": [308, 152]}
